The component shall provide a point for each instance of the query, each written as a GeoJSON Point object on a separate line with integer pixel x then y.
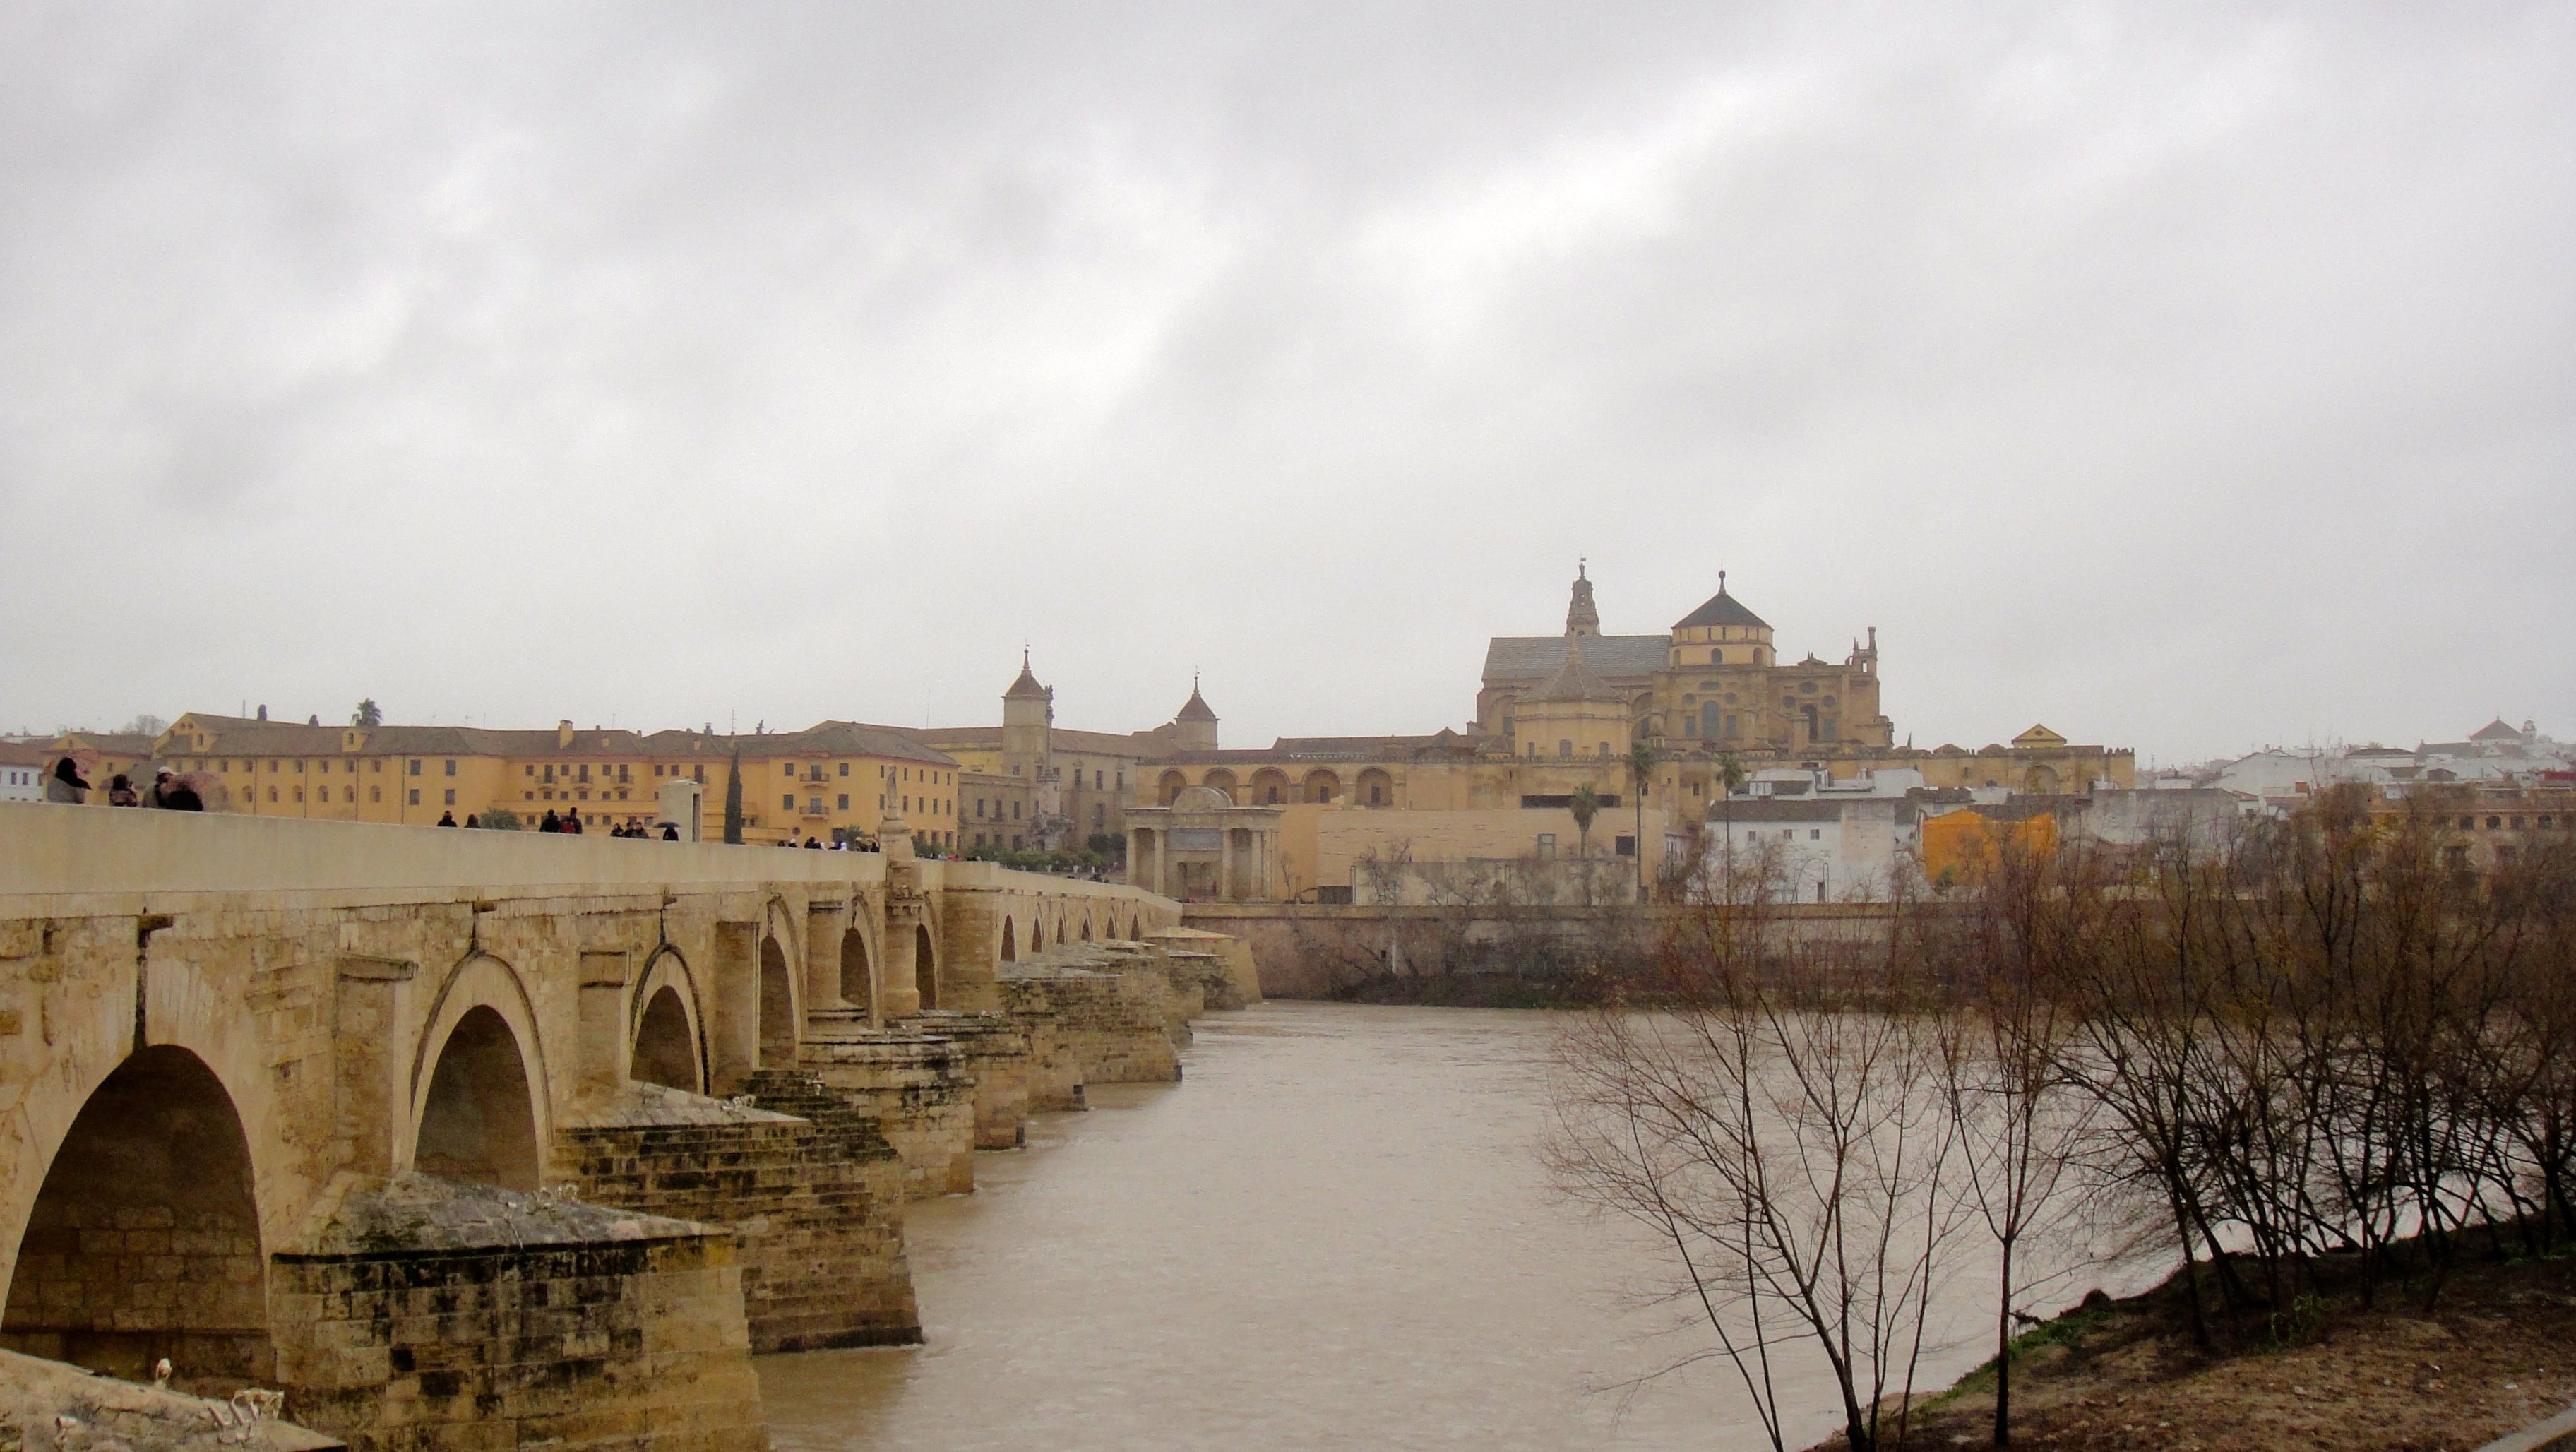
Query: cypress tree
{"type": "Point", "coordinates": [733, 799]}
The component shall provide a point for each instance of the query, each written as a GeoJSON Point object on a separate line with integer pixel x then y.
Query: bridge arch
{"type": "Point", "coordinates": [1037, 935]}
{"type": "Point", "coordinates": [925, 967]}
{"type": "Point", "coordinates": [478, 1120]}
{"type": "Point", "coordinates": [1010, 942]}
{"type": "Point", "coordinates": [858, 979]}
{"type": "Point", "coordinates": [1086, 928]}
{"type": "Point", "coordinates": [677, 1055]}
{"type": "Point", "coordinates": [157, 1148]}
{"type": "Point", "coordinates": [475, 1137]}
{"type": "Point", "coordinates": [778, 1009]}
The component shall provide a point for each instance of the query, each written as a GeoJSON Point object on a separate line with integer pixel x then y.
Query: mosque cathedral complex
{"type": "Point", "coordinates": [464, 1139]}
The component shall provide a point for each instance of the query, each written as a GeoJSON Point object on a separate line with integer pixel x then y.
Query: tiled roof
{"type": "Point", "coordinates": [1575, 680]}
{"type": "Point", "coordinates": [1756, 809]}
{"type": "Point", "coordinates": [1027, 685]}
{"type": "Point", "coordinates": [1721, 609]}
{"type": "Point", "coordinates": [1536, 657]}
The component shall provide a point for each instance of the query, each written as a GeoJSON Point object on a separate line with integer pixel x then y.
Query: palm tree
{"type": "Point", "coordinates": [1730, 775]}
{"type": "Point", "coordinates": [1585, 804]}
{"type": "Point", "coordinates": [1641, 771]}
{"type": "Point", "coordinates": [733, 799]}
{"type": "Point", "coordinates": [368, 714]}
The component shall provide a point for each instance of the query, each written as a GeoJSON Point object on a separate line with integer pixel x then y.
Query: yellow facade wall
{"type": "Point", "coordinates": [1959, 846]}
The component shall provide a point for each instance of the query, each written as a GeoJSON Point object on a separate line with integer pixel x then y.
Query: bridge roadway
{"type": "Point", "coordinates": [474, 1139]}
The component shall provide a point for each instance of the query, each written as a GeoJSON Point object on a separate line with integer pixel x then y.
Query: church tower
{"type": "Point", "coordinates": [1196, 722]}
{"type": "Point", "coordinates": [1580, 617]}
{"type": "Point", "coordinates": [1028, 719]}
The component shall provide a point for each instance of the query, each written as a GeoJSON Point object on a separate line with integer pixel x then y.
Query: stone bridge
{"type": "Point", "coordinates": [473, 1139]}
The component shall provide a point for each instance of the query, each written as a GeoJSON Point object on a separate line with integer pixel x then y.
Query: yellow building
{"type": "Point", "coordinates": [833, 779]}
{"type": "Point", "coordinates": [1031, 785]}
{"type": "Point", "coordinates": [1959, 847]}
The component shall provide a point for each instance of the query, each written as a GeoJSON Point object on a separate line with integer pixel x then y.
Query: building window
{"type": "Point", "coordinates": [845, 768]}
{"type": "Point", "coordinates": [415, 796]}
{"type": "Point", "coordinates": [787, 801]}
{"type": "Point", "coordinates": [2494, 822]}
{"type": "Point", "coordinates": [1547, 844]}
{"type": "Point", "coordinates": [813, 806]}
{"type": "Point", "coordinates": [272, 794]}
{"type": "Point", "coordinates": [299, 794]}
{"type": "Point", "coordinates": [451, 768]}
{"type": "Point", "coordinates": [415, 766]}
{"type": "Point", "coordinates": [1815, 834]}
{"type": "Point", "coordinates": [698, 774]}
{"type": "Point", "coordinates": [1015, 815]}
{"type": "Point", "coordinates": [527, 796]}
{"type": "Point", "coordinates": [1564, 749]}
{"type": "Point", "coordinates": [1717, 657]}
{"type": "Point", "coordinates": [845, 801]}
{"type": "Point", "coordinates": [1623, 846]}
{"type": "Point", "coordinates": [451, 796]}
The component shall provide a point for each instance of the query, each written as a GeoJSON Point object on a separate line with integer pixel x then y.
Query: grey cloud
{"type": "Point", "coordinates": [2181, 376]}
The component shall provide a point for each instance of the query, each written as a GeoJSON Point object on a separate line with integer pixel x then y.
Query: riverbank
{"type": "Point", "coordinates": [2496, 1354]}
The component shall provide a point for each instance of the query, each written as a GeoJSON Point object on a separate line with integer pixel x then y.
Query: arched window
{"type": "Point", "coordinates": [1708, 720]}
{"type": "Point", "coordinates": [1717, 657]}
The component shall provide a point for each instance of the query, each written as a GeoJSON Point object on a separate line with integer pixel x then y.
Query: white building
{"type": "Point", "coordinates": [1848, 848]}
{"type": "Point", "coordinates": [22, 771]}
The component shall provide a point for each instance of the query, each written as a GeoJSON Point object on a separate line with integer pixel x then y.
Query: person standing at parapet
{"type": "Point", "coordinates": [173, 794]}
{"type": "Point", "coordinates": [66, 785]}
{"type": "Point", "coordinates": [120, 792]}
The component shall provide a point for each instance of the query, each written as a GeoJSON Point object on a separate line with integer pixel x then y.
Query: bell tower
{"type": "Point", "coordinates": [1196, 722]}
{"type": "Point", "coordinates": [1580, 617]}
{"type": "Point", "coordinates": [1028, 720]}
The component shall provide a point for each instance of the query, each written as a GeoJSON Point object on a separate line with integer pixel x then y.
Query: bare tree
{"type": "Point", "coordinates": [2005, 1034]}
{"type": "Point", "coordinates": [1788, 1144]}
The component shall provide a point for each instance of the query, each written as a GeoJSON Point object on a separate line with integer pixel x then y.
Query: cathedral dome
{"type": "Point", "coordinates": [1721, 609]}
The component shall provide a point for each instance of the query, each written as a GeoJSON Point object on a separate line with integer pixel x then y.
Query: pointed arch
{"type": "Point", "coordinates": [1010, 942]}
{"type": "Point", "coordinates": [925, 967]}
{"type": "Point", "coordinates": [666, 1044]}
{"type": "Point", "coordinates": [778, 1007]}
{"type": "Point", "coordinates": [478, 1120]}
{"type": "Point", "coordinates": [858, 979]}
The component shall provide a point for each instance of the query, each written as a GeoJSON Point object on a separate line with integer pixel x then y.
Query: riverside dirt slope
{"type": "Point", "coordinates": [2496, 1354]}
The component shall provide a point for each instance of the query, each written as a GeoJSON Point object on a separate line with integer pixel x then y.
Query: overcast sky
{"type": "Point", "coordinates": [2183, 377]}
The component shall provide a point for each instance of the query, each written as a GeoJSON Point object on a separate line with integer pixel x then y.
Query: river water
{"type": "Point", "coordinates": [1335, 1233]}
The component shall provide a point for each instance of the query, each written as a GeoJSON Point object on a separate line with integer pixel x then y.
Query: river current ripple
{"type": "Point", "coordinates": [1335, 1233]}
